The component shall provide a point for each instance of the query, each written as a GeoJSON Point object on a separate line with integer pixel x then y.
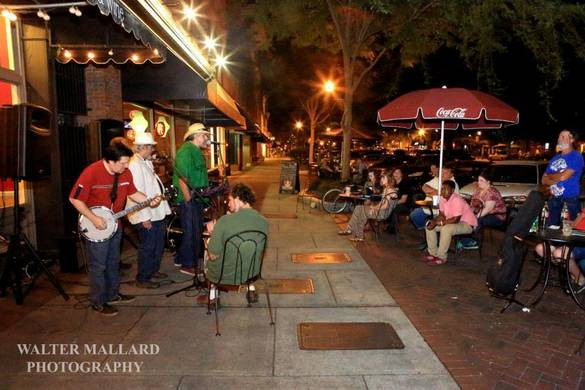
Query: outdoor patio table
{"type": "Point", "coordinates": [555, 237]}
{"type": "Point", "coordinates": [428, 204]}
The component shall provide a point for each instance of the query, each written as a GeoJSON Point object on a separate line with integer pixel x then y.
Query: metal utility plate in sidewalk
{"type": "Point", "coordinates": [348, 336]}
{"type": "Point", "coordinates": [286, 286]}
{"type": "Point", "coordinates": [321, 258]}
{"type": "Point", "coordinates": [279, 215]}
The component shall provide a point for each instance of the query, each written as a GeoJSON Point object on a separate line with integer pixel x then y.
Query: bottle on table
{"type": "Point", "coordinates": [566, 220]}
{"type": "Point", "coordinates": [543, 217]}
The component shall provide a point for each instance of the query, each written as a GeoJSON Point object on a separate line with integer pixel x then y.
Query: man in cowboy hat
{"type": "Point", "coordinates": [150, 221]}
{"type": "Point", "coordinates": [191, 174]}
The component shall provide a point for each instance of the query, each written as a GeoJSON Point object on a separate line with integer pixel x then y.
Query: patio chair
{"type": "Point", "coordinates": [380, 220]}
{"type": "Point", "coordinates": [248, 249]}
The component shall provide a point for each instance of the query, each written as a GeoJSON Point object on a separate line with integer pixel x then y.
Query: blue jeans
{"type": "Point", "coordinates": [104, 269]}
{"type": "Point", "coordinates": [579, 255]}
{"type": "Point", "coordinates": [150, 249]}
{"type": "Point", "coordinates": [190, 249]}
{"type": "Point", "coordinates": [490, 220]}
{"type": "Point", "coordinates": [555, 206]}
{"type": "Point", "coordinates": [419, 218]}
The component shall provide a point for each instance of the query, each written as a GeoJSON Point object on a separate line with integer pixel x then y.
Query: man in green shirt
{"type": "Point", "coordinates": [242, 217]}
{"type": "Point", "coordinates": [190, 174]}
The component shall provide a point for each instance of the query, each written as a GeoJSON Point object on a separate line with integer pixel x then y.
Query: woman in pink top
{"type": "Point", "coordinates": [488, 205]}
{"type": "Point", "coordinates": [455, 217]}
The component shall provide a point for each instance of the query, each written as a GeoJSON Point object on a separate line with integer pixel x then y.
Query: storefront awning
{"type": "Point", "coordinates": [173, 81]}
{"type": "Point", "coordinates": [161, 23]}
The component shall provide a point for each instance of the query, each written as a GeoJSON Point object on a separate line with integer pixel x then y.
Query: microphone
{"type": "Point", "coordinates": [210, 142]}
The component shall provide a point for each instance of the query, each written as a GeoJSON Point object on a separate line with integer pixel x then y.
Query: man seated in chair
{"type": "Point", "coordinates": [455, 218]}
{"type": "Point", "coordinates": [242, 217]}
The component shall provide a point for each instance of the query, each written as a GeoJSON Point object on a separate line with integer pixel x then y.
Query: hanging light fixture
{"type": "Point", "coordinates": [74, 11]}
{"type": "Point", "coordinates": [43, 15]}
{"type": "Point", "coordinates": [9, 15]}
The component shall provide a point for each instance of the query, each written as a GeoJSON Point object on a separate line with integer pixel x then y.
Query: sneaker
{"type": "Point", "coordinates": [121, 298]}
{"type": "Point", "coordinates": [105, 310]}
{"type": "Point", "coordinates": [160, 275]}
{"type": "Point", "coordinates": [148, 284]}
{"type": "Point", "coordinates": [471, 247]}
{"type": "Point", "coordinates": [188, 271]}
{"type": "Point", "coordinates": [178, 264]}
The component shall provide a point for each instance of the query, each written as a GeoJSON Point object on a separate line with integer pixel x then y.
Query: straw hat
{"type": "Point", "coordinates": [194, 129]}
{"type": "Point", "coordinates": [144, 139]}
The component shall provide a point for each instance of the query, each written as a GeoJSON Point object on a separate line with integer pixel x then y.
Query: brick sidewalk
{"type": "Point", "coordinates": [450, 306]}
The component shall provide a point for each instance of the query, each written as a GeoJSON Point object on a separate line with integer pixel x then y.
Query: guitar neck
{"type": "Point", "coordinates": [132, 209]}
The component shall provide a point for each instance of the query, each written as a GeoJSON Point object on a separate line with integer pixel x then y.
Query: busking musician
{"type": "Point", "coordinates": [190, 175]}
{"type": "Point", "coordinates": [149, 222]}
{"type": "Point", "coordinates": [106, 183]}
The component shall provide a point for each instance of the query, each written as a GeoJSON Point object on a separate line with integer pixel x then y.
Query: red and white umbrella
{"type": "Point", "coordinates": [447, 108]}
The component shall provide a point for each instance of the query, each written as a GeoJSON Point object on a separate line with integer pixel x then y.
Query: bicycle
{"type": "Point", "coordinates": [332, 203]}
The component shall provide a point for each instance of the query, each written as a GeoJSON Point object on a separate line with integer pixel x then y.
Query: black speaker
{"type": "Point", "coordinates": [25, 142]}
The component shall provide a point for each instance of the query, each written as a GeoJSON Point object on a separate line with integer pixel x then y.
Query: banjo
{"type": "Point", "coordinates": [93, 234]}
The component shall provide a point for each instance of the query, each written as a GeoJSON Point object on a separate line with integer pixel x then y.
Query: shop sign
{"type": "Point", "coordinates": [110, 7]}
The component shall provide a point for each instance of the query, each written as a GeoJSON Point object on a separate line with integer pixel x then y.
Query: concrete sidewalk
{"type": "Point", "coordinates": [250, 353]}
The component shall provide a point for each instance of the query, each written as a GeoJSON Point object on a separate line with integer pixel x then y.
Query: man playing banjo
{"type": "Point", "coordinates": [106, 183]}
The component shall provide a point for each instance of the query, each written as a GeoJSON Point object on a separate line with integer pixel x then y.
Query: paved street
{"type": "Point", "coordinates": [250, 353]}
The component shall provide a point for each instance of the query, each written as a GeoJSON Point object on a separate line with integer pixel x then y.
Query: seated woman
{"type": "Point", "coordinates": [455, 217]}
{"type": "Point", "coordinates": [378, 211]}
{"type": "Point", "coordinates": [577, 260]}
{"type": "Point", "coordinates": [488, 205]}
{"type": "Point", "coordinates": [372, 185]}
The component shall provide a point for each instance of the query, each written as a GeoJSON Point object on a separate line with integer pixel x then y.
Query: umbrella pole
{"type": "Point", "coordinates": [441, 158]}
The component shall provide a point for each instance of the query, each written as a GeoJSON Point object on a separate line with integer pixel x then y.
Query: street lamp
{"type": "Point", "coordinates": [329, 86]}
{"type": "Point", "coordinates": [299, 125]}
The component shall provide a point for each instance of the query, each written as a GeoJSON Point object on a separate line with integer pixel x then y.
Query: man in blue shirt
{"type": "Point", "coordinates": [563, 174]}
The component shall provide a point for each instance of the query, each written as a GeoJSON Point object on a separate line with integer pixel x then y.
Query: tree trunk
{"type": "Point", "coordinates": [346, 120]}
{"type": "Point", "coordinates": [312, 143]}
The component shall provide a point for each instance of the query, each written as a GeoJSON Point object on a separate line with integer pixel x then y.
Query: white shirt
{"type": "Point", "coordinates": [434, 183]}
{"type": "Point", "coordinates": [147, 182]}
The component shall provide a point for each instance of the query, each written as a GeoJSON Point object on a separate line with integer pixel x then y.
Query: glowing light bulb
{"type": "Point", "coordinates": [67, 54]}
{"type": "Point", "coordinates": [91, 55]}
{"type": "Point", "coordinates": [135, 57]}
{"type": "Point", "coordinates": [209, 43]}
{"type": "Point", "coordinates": [190, 13]}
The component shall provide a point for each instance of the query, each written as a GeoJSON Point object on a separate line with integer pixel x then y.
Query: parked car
{"type": "Point", "coordinates": [466, 172]}
{"type": "Point", "coordinates": [513, 178]}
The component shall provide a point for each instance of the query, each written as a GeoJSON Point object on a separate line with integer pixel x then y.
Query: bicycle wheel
{"type": "Point", "coordinates": [331, 202]}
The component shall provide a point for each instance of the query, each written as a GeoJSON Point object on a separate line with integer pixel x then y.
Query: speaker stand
{"type": "Point", "coordinates": [20, 252]}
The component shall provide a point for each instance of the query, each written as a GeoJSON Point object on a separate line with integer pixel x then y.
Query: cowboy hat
{"type": "Point", "coordinates": [194, 129]}
{"type": "Point", "coordinates": [144, 139]}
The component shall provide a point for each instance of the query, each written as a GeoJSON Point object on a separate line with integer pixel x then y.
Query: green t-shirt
{"type": "Point", "coordinates": [226, 226]}
{"type": "Point", "coordinates": [190, 164]}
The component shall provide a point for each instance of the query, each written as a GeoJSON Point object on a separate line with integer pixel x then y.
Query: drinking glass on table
{"type": "Point", "coordinates": [567, 227]}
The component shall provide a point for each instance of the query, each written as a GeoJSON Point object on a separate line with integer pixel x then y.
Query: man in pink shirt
{"type": "Point", "coordinates": [455, 217]}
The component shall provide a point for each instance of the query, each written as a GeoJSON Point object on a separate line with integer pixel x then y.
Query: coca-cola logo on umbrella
{"type": "Point", "coordinates": [453, 113]}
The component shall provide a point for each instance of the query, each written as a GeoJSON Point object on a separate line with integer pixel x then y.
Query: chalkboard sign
{"type": "Point", "coordinates": [289, 177]}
